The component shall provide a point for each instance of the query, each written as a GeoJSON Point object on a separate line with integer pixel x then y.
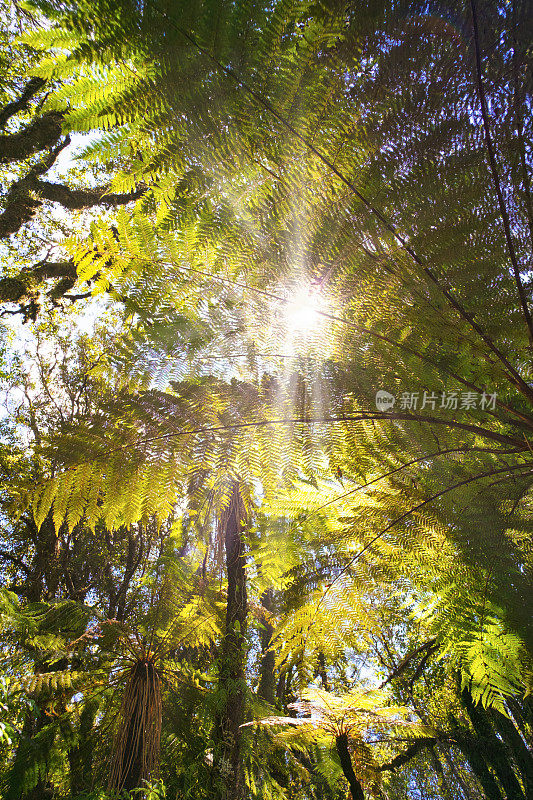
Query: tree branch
{"type": "Point", "coordinates": [522, 148]}
{"type": "Point", "coordinates": [403, 466]}
{"type": "Point", "coordinates": [521, 446]}
{"type": "Point", "coordinates": [9, 110]}
{"type": "Point", "coordinates": [23, 288]}
{"type": "Point", "coordinates": [52, 269]}
{"type": "Point", "coordinates": [407, 755]}
{"type": "Point", "coordinates": [21, 203]}
{"type": "Point", "coordinates": [26, 195]}
{"type": "Point", "coordinates": [77, 199]}
{"type": "Point", "coordinates": [42, 133]}
{"type": "Point", "coordinates": [428, 648]}
{"type": "Point", "coordinates": [413, 510]}
{"type": "Point", "coordinates": [369, 415]}
{"type": "Point", "coordinates": [18, 562]}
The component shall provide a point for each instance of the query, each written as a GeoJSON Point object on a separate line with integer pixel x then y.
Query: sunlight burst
{"type": "Point", "coordinates": [303, 312]}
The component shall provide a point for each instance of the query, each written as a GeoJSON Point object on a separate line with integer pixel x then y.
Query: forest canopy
{"type": "Point", "coordinates": [266, 415]}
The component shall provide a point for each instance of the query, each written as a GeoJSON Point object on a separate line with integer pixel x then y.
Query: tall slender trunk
{"type": "Point", "coordinates": [228, 777]}
{"type": "Point", "coordinates": [444, 787]}
{"type": "Point", "coordinates": [469, 793]}
{"type": "Point", "coordinates": [322, 671]}
{"type": "Point", "coordinates": [267, 680]}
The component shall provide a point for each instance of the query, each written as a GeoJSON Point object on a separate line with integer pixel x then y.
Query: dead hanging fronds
{"type": "Point", "coordinates": [135, 755]}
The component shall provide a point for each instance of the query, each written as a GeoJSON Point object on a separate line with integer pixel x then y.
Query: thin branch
{"type": "Point", "coordinates": [495, 177]}
{"type": "Point", "coordinates": [421, 667]}
{"type": "Point", "coordinates": [496, 437]}
{"type": "Point", "coordinates": [74, 297]}
{"type": "Point", "coordinates": [522, 148]}
{"type": "Point", "coordinates": [426, 647]}
{"type": "Point", "coordinates": [8, 312]}
{"type": "Point", "coordinates": [323, 420]}
{"type": "Point", "coordinates": [401, 468]}
{"type": "Point", "coordinates": [376, 415]}
{"type": "Point", "coordinates": [410, 512]}
{"type": "Point", "coordinates": [407, 755]}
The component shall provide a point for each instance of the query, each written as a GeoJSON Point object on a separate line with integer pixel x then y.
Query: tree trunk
{"type": "Point", "coordinates": [517, 747]}
{"type": "Point", "coordinates": [135, 755]}
{"type": "Point", "coordinates": [267, 681]}
{"type": "Point", "coordinates": [469, 792]}
{"type": "Point", "coordinates": [470, 748]}
{"type": "Point", "coordinates": [356, 789]}
{"type": "Point", "coordinates": [322, 672]}
{"type": "Point", "coordinates": [80, 756]}
{"type": "Point", "coordinates": [493, 749]}
{"type": "Point", "coordinates": [228, 778]}
{"type": "Point", "coordinates": [441, 777]}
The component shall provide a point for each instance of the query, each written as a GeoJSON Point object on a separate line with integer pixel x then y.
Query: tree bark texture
{"type": "Point", "coordinates": [228, 777]}
{"type": "Point", "coordinates": [267, 680]}
{"type": "Point", "coordinates": [345, 758]}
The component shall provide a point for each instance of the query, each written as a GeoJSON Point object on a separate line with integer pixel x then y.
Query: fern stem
{"type": "Point", "coordinates": [362, 329]}
{"type": "Point", "coordinates": [411, 511]}
{"type": "Point", "coordinates": [495, 176]}
{"type": "Point", "coordinates": [341, 743]}
{"type": "Point", "coordinates": [518, 381]}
